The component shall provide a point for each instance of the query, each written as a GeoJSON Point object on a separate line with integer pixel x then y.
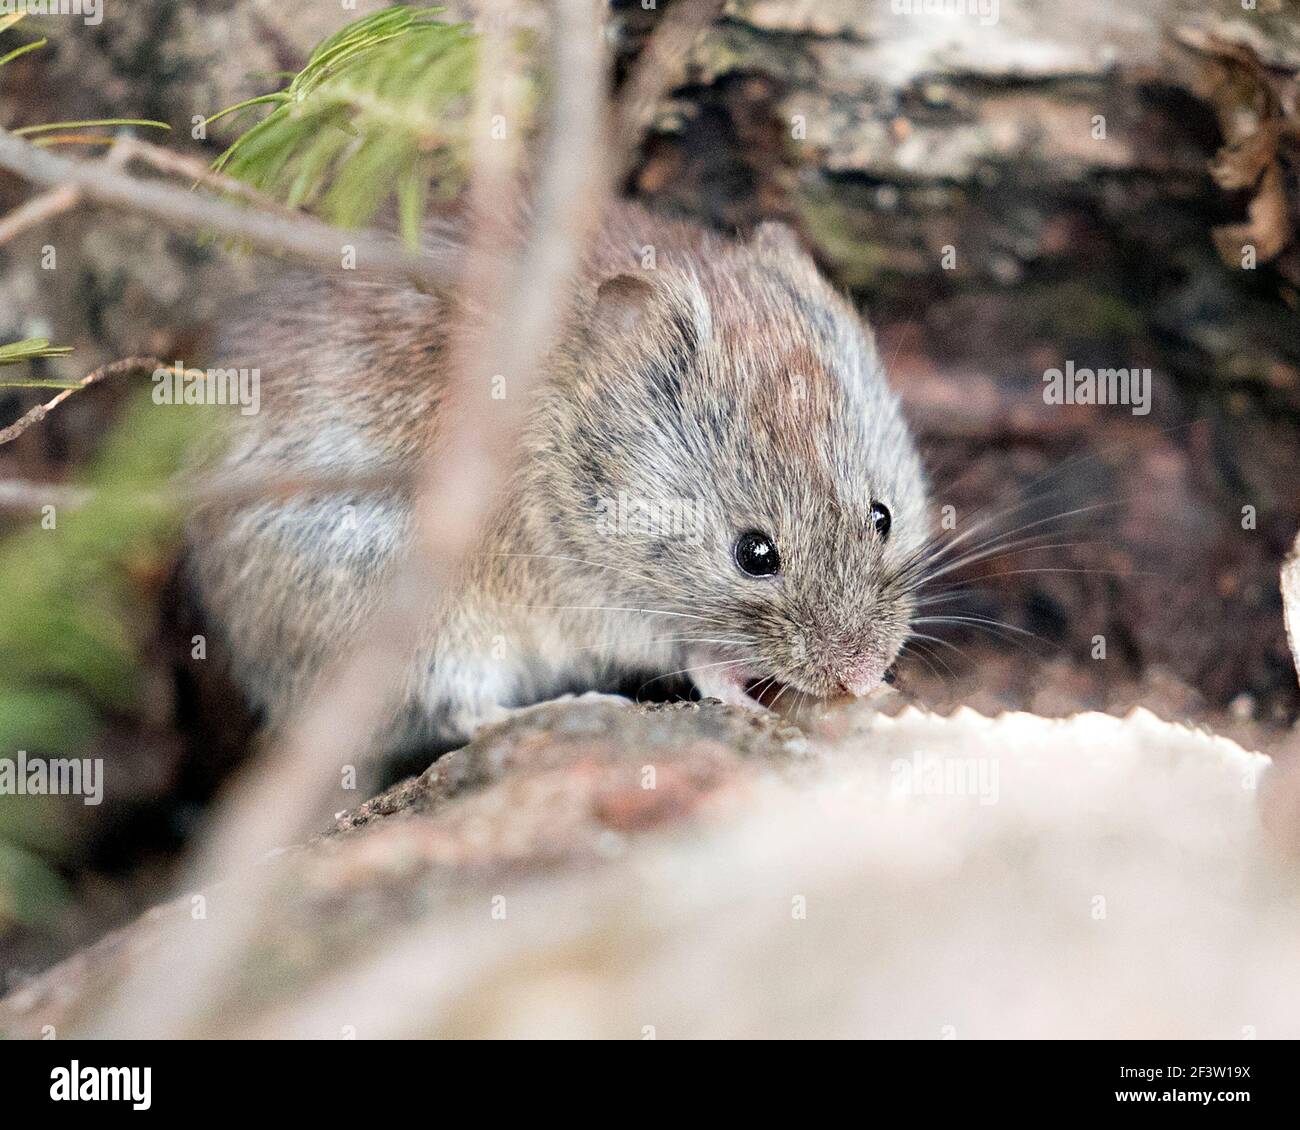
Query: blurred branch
{"type": "Point", "coordinates": [433, 267]}
{"type": "Point", "coordinates": [115, 369]}
{"type": "Point", "coordinates": [20, 494]}
{"type": "Point", "coordinates": [280, 799]}
{"type": "Point", "coordinates": [128, 149]}
{"type": "Point", "coordinates": [37, 210]}
{"type": "Point", "coordinates": [224, 492]}
{"type": "Point", "coordinates": [1291, 602]}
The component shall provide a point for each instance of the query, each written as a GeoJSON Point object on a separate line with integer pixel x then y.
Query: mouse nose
{"type": "Point", "coordinates": [859, 676]}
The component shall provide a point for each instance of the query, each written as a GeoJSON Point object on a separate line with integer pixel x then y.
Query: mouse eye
{"type": "Point", "coordinates": [756, 554]}
{"type": "Point", "coordinates": [880, 519]}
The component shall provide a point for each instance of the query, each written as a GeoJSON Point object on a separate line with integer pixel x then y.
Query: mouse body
{"type": "Point", "coordinates": [715, 480]}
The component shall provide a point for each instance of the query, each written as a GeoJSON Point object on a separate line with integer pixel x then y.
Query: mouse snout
{"type": "Point", "coordinates": [861, 674]}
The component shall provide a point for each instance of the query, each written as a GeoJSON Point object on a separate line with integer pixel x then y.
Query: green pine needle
{"type": "Point", "coordinates": [379, 112]}
{"type": "Point", "coordinates": [17, 352]}
{"type": "Point", "coordinates": [18, 51]}
{"type": "Point", "coordinates": [47, 126]}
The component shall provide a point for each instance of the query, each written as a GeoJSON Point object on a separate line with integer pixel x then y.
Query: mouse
{"type": "Point", "coordinates": [715, 482]}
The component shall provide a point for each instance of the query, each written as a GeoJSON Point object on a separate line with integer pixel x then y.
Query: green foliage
{"type": "Point", "coordinates": [17, 352]}
{"type": "Point", "coordinates": [69, 629]}
{"type": "Point", "coordinates": [75, 619]}
{"type": "Point", "coordinates": [378, 111]}
{"type": "Point", "coordinates": [29, 890]}
{"type": "Point", "coordinates": [46, 127]}
{"type": "Point", "coordinates": [70, 621]}
{"type": "Point", "coordinates": [10, 56]}
{"type": "Point", "coordinates": [64, 138]}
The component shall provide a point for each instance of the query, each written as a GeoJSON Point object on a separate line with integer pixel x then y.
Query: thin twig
{"type": "Point", "coordinates": [20, 494]}
{"type": "Point", "coordinates": [434, 267]}
{"type": "Point", "coordinates": [37, 210]}
{"type": "Point", "coordinates": [282, 795]}
{"type": "Point", "coordinates": [233, 490]}
{"type": "Point", "coordinates": [114, 369]}
{"type": "Point", "coordinates": [163, 160]}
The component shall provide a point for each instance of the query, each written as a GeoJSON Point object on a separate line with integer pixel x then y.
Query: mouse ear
{"type": "Point", "coordinates": [776, 237]}
{"type": "Point", "coordinates": [621, 303]}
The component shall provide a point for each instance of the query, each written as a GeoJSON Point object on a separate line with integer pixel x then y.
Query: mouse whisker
{"type": "Point", "coordinates": [946, 594]}
{"type": "Point", "coordinates": [963, 590]}
{"type": "Point", "coordinates": [608, 608]}
{"type": "Point", "coordinates": [942, 643]}
{"type": "Point", "coordinates": [1089, 572]}
{"type": "Point", "coordinates": [664, 639]}
{"type": "Point", "coordinates": [1034, 492]}
{"type": "Point", "coordinates": [923, 651]}
{"type": "Point", "coordinates": [762, 686]}
{"type": "Point", "coordinates": [976, 620]}
{"type": "Point", "coordinates": [698, 667]}
{"type": "Point", "coordinates": [999, 629]}
{"type": "Point", "coordinates": [780, 694]}
{"type": "Point", "coordinates": [999, 552]}
{"type": "Point", "coordinates": [911, 648]}
{"type": "Point", "coordinates": [1069, 465]}
{"type": "Point", "coordinates": [644, 578]}
{"type": "Point", "coordinates": [702, 667]}
{"type": "Point", "coordinates": [937, 547]}
{"type": "Point", "coordinates": [1010, 537]}
{"type": "Point", "coordinates": [940, 556]}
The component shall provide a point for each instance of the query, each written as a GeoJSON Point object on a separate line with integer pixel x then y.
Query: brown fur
{"type": "Point", "coordinates": [729, 374]}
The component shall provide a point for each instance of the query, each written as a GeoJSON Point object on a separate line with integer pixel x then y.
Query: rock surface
{"type": "Point", "coordinates": [595, 870]}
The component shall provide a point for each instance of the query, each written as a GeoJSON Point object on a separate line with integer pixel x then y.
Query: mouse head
{"type": "Point", "coordinates": [737, 467]}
